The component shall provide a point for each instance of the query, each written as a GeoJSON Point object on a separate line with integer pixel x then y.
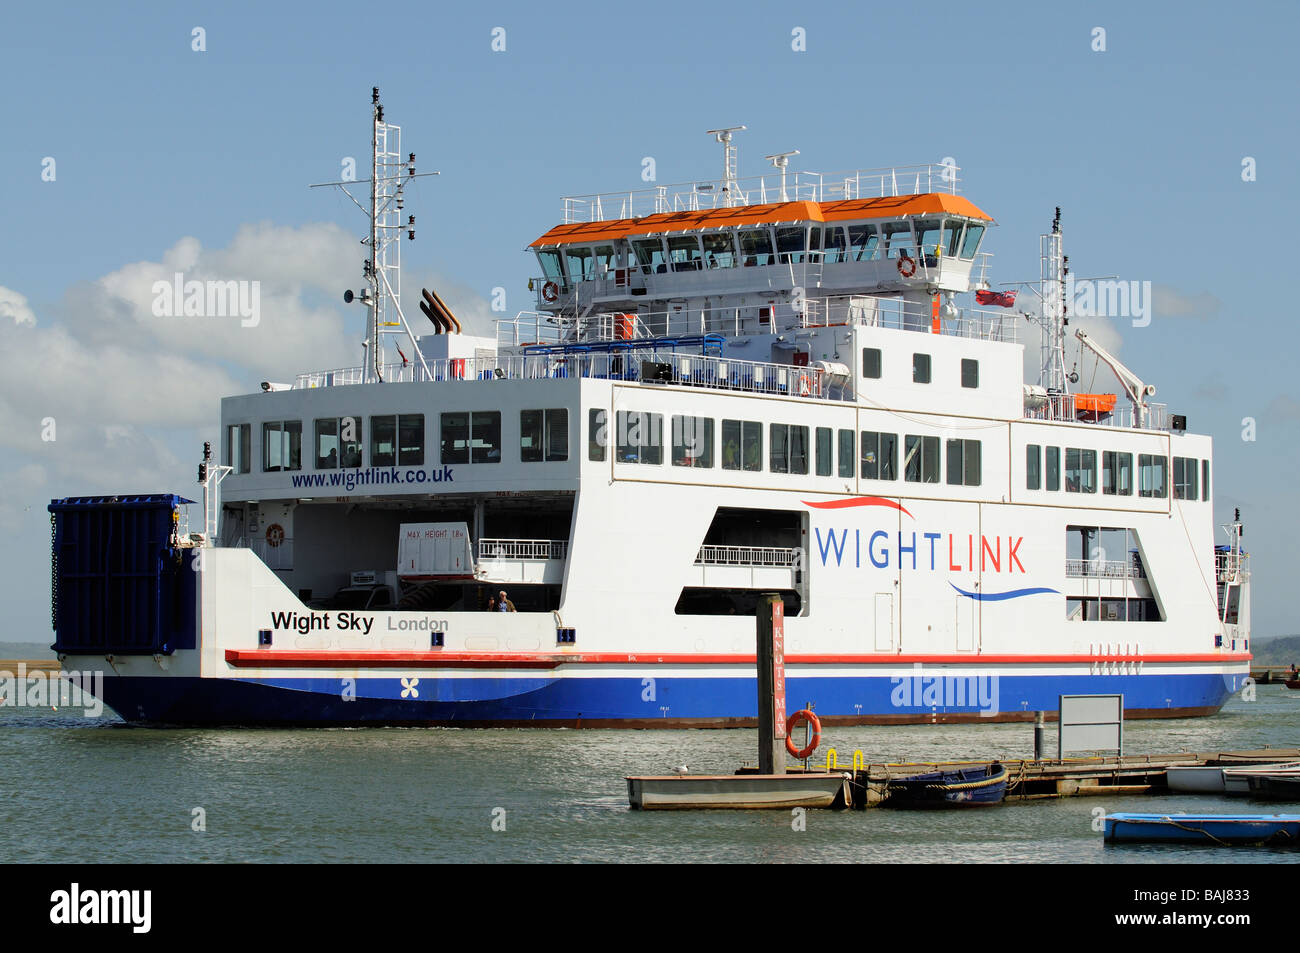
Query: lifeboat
{"type": "Point", "coordinates": [1093, 406]}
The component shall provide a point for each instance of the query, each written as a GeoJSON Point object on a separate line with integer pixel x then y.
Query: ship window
{"type": "Point", "coordinates": [836, 249]}
{"type": "Point", "coordinates": [544, 435]}
{"type": "Point", "coordinates": [971, 242]}
{"type": "Point", "coordinates": [597, 437]}
{"type": "Point", "coordinates": [239, 449]}
{"type": "Point", "coordinates": [963, 462]}
{"type": "Point", "coordinates": [970, 372]}
{"type": "Point", "coordinates": [692, 441]}
{"type": "Point", "coordinates": [1117, 473]}
{"type": "Point", "coordinates": [640, 437]}
{"type": "Point", "coordinates": [921, 459]}
{"type": "Point", "coordinates": [791, 243]}
{"type": "Point", "coordinates": [742, 445]}
{"type": "Point", "coordinates": [929, 231]}
{"type": "Point", "coordinates": [455, 437]}
{"type": "Point", "coordinates": [485, 437]}
{"type": "Point", "coordinates": [756, 247]}
{"type": "Point", "coordinates": [921, 368]}
{"type": "Point", "coordinates": [1205, 481]}
{"type": "Point", "coordinates": [719, 252]}
{"type": "Point", "coordinates": [338, 443]}
{"type": "Point", "coordinates": [1185, 487]}
{"type": "Point", "coordinates": [1052, 469]}
{"type": "Point", "coordinates": [789, 448]}
{"type": "Point", "coordinates": [871, 363]}
{"type": "Point", "coordinates": [581, 261]}
{"type": "Point", "coordinates": [899, 240]}
{"type": "Point", "coordinates": [1080, 470]}
{"type": "Point", "coordinates": [1033, 466]}
{"type": "Point", "coordinates": [1152, 474]}
{"type": "Point", "coordinates": [952, 237]}
{"type": "Point", "coordinates": [398, 441]}
{"type": "Point", "coordinates": [550, 260]}
{"type": "Point", "coordinates": [865, 241]}
{"type": "Point", "coordinates": [606, 260]}
{"type": "Point", "coordinates": [879, 455]}
{"type": "Point", "coordinates": [684, 253]}
{"type": "Point", "coordinates": [825, 450]}
{"type": "Point", "coordinates": [650, 252]}
{"type": "Point", "coordinates": [846, 453]}
{"type": "Point", "coordinates": [282, 445]}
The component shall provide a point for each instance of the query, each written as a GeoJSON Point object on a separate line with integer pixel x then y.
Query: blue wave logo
{"type": "Point", "coordinates": [1000, 596]}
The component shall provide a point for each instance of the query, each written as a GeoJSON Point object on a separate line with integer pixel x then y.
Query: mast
{"type": "Point", "coordinates": [382, 269]}
{"type": "Point", "coordinates": [1053, 269]}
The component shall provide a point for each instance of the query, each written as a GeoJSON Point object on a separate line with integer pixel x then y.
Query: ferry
{"type": "Point", "coordinates": [794, 383]}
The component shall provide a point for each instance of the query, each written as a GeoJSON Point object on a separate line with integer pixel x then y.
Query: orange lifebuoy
{"type": "Point", "coordinates": [551, 291]}
{"type": "Point", "coordinates": [274, 535]}
{"type": "Point", "coordinates": [907, 266]}
{"type": "Point", "coordinates": [798, 718]}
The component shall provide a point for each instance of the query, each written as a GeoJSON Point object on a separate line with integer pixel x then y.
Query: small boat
{"type": "Point", "coordinates": [739, 791]}
{"type": "Point", "coordinates": [1292, 683]}
{"type": "Point", "coordinates": [1278, 786]}
{"type": "Point", "coordinates": [1198, 779]}
{"type": "Point", "coordinates": [1221, 829]}
{"type": "Point", "coordinates": [963, 787]}
{"type": "Point", "coordinates": [1236, 781]}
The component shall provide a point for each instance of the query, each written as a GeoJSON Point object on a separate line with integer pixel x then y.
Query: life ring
{"type": "Point", "coordinates": [798, 718]}
{"type": "Point", "coordinates": [907, 266]}
{"type": "Point", "coordinates": [551, 291]}
{"type": "Point", "coordinates": [274, 535]}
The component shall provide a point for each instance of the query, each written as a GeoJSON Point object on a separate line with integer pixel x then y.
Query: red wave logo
{"type": "Point", "coordinates": [857, 501]}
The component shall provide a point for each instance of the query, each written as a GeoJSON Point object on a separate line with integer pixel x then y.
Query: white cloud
{"type": "Point", "coordinates": [14, 306]}
{"type": "Point", "coordinates": [1169, 302]}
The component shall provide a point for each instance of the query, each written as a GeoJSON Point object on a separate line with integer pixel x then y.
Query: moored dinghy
{"type": "Point", "coordinates": [1236, 781]}
{"type": "Point", "coordinates": [1277, 786]}
{"type": "Point", "coordinates": [963, 787]}
{"type": "Point", "coordinates": [1221, 829]}
{"type": "Point", "coordinates": [1198, 779]}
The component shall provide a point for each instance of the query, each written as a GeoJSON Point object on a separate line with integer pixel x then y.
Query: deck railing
{"type": "Point", "coordinates": [765, 556]}
{"type": "Point", "coordinates": [489, 549]}
{"type": "Point", "coordinates": [1062, 407]}
{"type": "Point", "coordinates": [1105, 568]}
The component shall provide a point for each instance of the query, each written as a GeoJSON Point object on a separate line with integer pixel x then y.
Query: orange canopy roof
{"type": "Point", "coordinates": [891, 206]}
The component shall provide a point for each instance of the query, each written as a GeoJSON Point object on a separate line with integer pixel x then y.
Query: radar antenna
{"type": "Point", "coordinates": [730, 164]}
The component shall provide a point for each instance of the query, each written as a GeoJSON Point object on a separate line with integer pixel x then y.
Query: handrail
{"type": "Point", "coordinates": [773, 556]}
{"type": "Point", "coordinates": [486, 549]}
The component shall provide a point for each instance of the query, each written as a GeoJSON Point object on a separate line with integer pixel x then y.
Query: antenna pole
{"type": "Point", "coordinates": [730, 163]}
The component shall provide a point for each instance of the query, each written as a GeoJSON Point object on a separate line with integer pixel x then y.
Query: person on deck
{"type": "Point", "coordinates": [504, 604]}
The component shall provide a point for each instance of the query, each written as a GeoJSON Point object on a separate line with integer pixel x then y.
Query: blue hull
{"type": "Point", "coordinates": [702, 701]}
{"type": "Point", "coordinates": [1213, 829]}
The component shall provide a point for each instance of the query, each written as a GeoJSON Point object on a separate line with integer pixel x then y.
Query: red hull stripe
{"type": "Point", "coordinates": [437, 658]}
{"type": "Point", "coordinates": [856, 501]}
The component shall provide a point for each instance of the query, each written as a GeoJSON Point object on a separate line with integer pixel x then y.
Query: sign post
{"type": "Point", "coordinates": [770, 656]}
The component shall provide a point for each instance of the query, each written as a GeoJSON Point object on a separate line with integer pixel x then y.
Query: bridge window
{"type": "Point", "coordinates": [597, 438]}
{"type": "Point", "coordinates": [692, 441]}
{"type": "Point", "coordinates": [899, 242]}
{"type": "Point", "coordinates": [239, 447]}
{"type": "Point", "coordinates": [282, 445]}
{"type": "Point", "coordinates": [684, 253]}
{"type": "Point", "coordinates": [970, 372]}
{"type": "Point", "coordinates": [1033, 466]}
{"type": "Point", "coordinates": [971, 242]}
{"type": "Point", "coordinates": [871, 363]}
{"type": "Point", "coordinates": [789, 448]}
{"type": "Point", "coordinates": [1117, 473]}
{"type": "Point", "coordinates": [1052, 468]}
{"type": "Point", "coordinates": [606, 260]}
{"type": "Point", "coordinates": [581, 263]}
{"type": "Point", "coordinates": [865, 242]}
{"type": "Point", "coordinates": [929, 231]}
{"type": "Point", "coordinates": [756, 247]}
{"type": "Point", "coordinates": [879, 455]}
{"type": "Point", "coordinates": [640, 437]}
{"type": "Point", "coordinates": [921, 368]}
{"type": "Point", "coordinates": [963, 462]}
{"type": "Point", "coordinates": [544, 435]}
{"type": "Point", "coordinates": [550, 260]}
{"type": "Point", "coordinates": [719, 250]}
{"type": "Point", "coordinates": [825, 451]}
{"type": "Point", "coordinates": [836, 249]}
{"type": "Point", "coordinates": [791, 243]}
{"type": "Point", "coordinates": [1185, 487]}
{"type": "Point", "coordinates": [1080, 470]}
{"type": "Point", "coordinates": [921, 459]}
{"type": "Point", "coordinates": [1152, 476]}
{"type": "Point", "coordinates": [338, 443]}
{"type": "Point", "coordinates": [742, 445]}
{"type": "Point", "coordinates": [846, 453]}
{"type": "Point", "coordinates": [952, 237]}
{"type": "Point", "coordinates": [650, 252]}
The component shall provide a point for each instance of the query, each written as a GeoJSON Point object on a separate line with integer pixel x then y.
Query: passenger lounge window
{"type": "Point", "coordinates": [544, 435]}
{"type": "Point", "coordinates": [742, 445]}
{"type": "Point", "coordinates": [1053, 468]}
{"type": "Point", "coordinates": [338, 443]}
{"type": "Point", "coordinates": [693, 442]}
{"type": "Point", "coordinates": [640, 437]}
{"type": "Point", "coordinates": [846, 453]}
{"type": "Point", "coordinates": [789, 449]}
{"type": "Point", "coordinates": [921, 459]}
{"type": "Point", "coordinates": [1033, 466]}
{"type": "Point", "coordinates": [597, 438]}
{"type": "Point", "coordinates": [1152, 476]}
{"type": "Point", "coordinates": [1185, 487]}
{"type": "Point", "coordinates": [964, 463]}
{"type": "Point", "coordinates": [282, 445]}
{"type": "Point", "coordinates": [1117, 473]}
{"type": "Point", "coordinates": [825, 450]}
{"type": "Point", "coordinates": [879, 455]}
{"type": "Point", "coordinates": [397, 440]}
{"type": "Point", "coordinates": [469, 437]}
{"type": "Point", "coordinates": [1080, 470]}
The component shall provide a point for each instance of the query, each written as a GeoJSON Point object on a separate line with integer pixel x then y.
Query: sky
{"type": "Point", "coordinates": [1166, 132]}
